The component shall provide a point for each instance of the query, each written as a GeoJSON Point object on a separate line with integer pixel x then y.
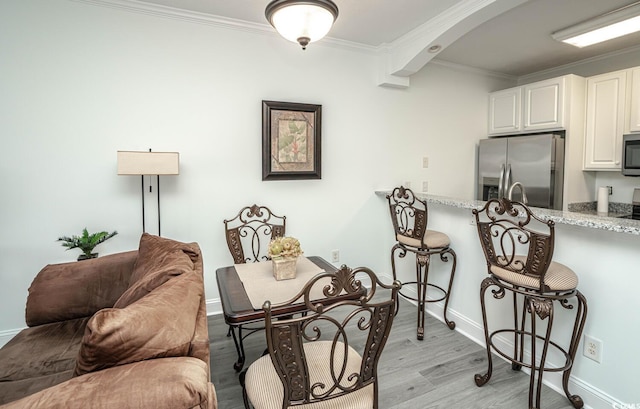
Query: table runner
{"type": "Point", "coordinates": [261, 286]}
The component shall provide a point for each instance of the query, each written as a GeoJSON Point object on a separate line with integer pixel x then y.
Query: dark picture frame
{"type": "Point", "coordinates": [291, 140]}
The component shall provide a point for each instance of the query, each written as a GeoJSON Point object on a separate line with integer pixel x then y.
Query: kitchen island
{"type": "Point", "coordinates": [607, 264]}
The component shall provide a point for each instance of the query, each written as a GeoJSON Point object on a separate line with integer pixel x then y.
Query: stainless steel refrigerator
{"type": "Point", "coordinates": [536, 161]}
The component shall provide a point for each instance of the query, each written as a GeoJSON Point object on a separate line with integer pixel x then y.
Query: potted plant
{"type": "Point", "coordinates": [284, 253]}
{"type": "Point", "coordinates": [86, 242]}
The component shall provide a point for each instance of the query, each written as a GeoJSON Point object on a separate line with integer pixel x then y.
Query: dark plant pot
{"type": "Point", "coordinates": [84, 256]}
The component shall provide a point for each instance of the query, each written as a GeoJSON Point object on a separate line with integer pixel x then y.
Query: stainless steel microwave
{"type": "Point", "coordinates": [631, 155]}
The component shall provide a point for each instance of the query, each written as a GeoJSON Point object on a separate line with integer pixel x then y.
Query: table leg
{"type": "Point", "coordinates": [237, 340]}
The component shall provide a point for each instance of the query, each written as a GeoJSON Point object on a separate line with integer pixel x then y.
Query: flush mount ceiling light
{"type": "Point", "coordinates": [614, 24]}
{"type": "Point", "coordinates": [302, 21]}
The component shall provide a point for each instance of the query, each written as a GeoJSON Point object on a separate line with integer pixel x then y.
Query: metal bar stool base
{"type": "Point", "coordinates": [535, 306]}
{"type": "Point", "coordinates": [423, 259]}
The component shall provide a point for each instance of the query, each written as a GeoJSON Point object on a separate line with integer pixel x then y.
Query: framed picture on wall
{"type": "Point", "coordinates": [291, 140]}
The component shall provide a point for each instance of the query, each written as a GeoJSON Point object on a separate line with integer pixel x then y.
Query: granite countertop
{"type": "Point", "coordinates": [584, 217]}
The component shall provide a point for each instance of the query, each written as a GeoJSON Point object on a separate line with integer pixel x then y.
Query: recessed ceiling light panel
{"type": "Point", "coordinates": [614, 24]}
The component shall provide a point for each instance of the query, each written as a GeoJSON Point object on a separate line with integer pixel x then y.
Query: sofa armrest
{"type": "Point", "coordinates": [181, 382]}
{"type": "Point", "coordinates": [74, 290]}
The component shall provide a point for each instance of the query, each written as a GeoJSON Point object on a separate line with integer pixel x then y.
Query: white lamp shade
{"type": "Point", "coordinates": [148, 163]}
{"type": "Point", "coordinates": [302, 20]}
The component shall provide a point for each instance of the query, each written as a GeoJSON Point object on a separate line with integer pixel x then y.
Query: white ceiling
{"type": "Point", "coordinates": [517, 42]}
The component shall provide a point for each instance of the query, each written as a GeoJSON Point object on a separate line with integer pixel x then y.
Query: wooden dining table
{"type": "Point", "coordinates": [243, 315]}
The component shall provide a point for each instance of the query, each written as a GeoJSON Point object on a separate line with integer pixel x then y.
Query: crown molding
{"type": "Point", "coordinates": [559, 70]}
{"type": "Point", "coordinates": [474, 70]}
{"type": "Point", "coordinates": [396, 61]}
{"type": "Point", "coordinates": [141, 7]}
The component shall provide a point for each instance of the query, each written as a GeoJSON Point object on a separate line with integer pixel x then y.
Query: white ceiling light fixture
{"type": "Point", "coordinates": [614, 24]}
{"type": "Point", "coordinates": [302, 21]}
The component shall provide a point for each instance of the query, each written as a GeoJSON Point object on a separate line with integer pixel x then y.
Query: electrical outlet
{"type": "Point", "coordinates": [425, 162]}
{"type": "Point", "coordinates": [592, 348]}
{"type": "Point", "coordinates": [425, 186]}
{"type": "Point", "coordinates": [335, 256]}
{"type": "Point", "coordinates": [407, 185]}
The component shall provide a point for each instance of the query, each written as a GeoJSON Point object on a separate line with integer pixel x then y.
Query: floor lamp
{"type": "Point", "coordinates": [148, 163]}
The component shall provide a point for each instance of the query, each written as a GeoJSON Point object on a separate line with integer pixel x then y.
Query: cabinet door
{"type": "Point", "coordinates": [504, 111]}
{"type": "Point", "coordinates": [605, 121]}
{"type": "Point", "coordinates": [634, 125]}
{"type": "Point", "coordinates": [544, 105]}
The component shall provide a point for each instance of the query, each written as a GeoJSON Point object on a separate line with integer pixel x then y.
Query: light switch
{"type": "Point", "coordinates": [425, 162]}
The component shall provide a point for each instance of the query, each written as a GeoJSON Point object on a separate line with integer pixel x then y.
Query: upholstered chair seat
{"type": "Point", "coordinates": [558, 277]}
{"type": "Point", "coordinates": [432, 239]}
{"type": "Point", "coordinates": [264, 388]}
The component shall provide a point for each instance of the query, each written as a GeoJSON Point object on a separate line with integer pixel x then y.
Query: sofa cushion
{"type": "Point", "coordinates": [81, 288]}
{"type": "Point", "coordinates": [178, 263]}
{"type": "Point", "coordinates": [161, 324]}
{"type": "Point", "coordinates": [13, 390]}
{"type": "Point", "coordinates": [181, 382]}
{"type": "Point", "coordinates": [156, 252]}
{"type": "Point", "coordinates": [43, 350]}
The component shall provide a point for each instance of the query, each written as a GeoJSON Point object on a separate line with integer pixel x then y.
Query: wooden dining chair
{"type": "Point", "coordinates": [248, 235]}
{"type": "Point", "coordinates": [329, 357]}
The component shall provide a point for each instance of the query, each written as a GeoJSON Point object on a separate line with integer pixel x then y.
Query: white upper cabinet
{"type": "Point", "coordinates": [529, 108]}
{"type": "Point", "coordinates": [504, 111]}
{"type": "Point", "coordinates": [606, 95]}
{"type": "Point", "coordinates": [544, 105]}
{"type": "Point", "coordinates": [634, 117]}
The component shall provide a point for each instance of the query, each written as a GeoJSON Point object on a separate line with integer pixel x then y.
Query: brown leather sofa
{"type": "Point", "coordinates": [128, 330]}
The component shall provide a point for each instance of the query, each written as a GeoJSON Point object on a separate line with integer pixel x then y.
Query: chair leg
{"type": "Point", "coordinates": [481, 379]}
{"type": "Point", "coordinates": [518, 336]}
{"type": "Point", "coordinates": [542, 308]}
{"type": "Point", "coordinates": [444, 257]}
{"type": "Point", "coordinates": [393, 269]}
{"type": "Point", "coordinates": [245, 398]}
{"type": "Point", "coordinates": [237, 340]}
{"type": "Point", "coordinates": [581, 316]}
{"type": "Point", "coordinates": [422, 274]}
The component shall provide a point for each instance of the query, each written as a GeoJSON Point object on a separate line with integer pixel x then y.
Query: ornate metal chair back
{"type": "Point", "coordinates": [249, 233]}
{"type": "Point", "coordinates": [409, 214]}
{"type": "Point", "coordinates": [514, 239]}
{"type": "Point", "coordinates": [344, 336]}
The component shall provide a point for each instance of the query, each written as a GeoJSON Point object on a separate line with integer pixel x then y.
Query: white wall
{"type": "Point", "coordinates": [80, 82]}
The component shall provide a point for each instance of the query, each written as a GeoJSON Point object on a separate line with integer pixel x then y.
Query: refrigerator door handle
{"type": "Point", "coordinates": [501, 182]}
{"type": "Point", "coordinates": [507, 180]}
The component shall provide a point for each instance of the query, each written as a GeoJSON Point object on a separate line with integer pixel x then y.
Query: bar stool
{"type": "Point", "coordinates": [518, 247]}
{"type": "Point", "coordinates": [409, 216]}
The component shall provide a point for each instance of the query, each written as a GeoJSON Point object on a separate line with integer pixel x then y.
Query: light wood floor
{"type": "Point", "coordinates": [434, 373]}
